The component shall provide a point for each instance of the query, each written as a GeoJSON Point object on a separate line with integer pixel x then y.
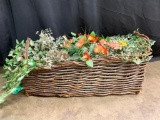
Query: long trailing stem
{"type": "Point", "coordinates": [16, 84]}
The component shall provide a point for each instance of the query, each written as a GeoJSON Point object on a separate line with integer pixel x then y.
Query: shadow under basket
{"type": "Point", "coordinates": [68, 79]}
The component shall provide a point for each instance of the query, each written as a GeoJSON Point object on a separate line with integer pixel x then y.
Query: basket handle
{"type": "Point", "coordinates": [135, 33]}
{"type": "Point", "coordinates": [26, 48]}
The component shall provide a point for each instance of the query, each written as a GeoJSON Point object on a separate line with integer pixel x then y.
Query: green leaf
{"type": "Point", "coordinates": [2, 99]}
{"type": "Point", "coordinates": [20, 78]}
{"type": "Point", "coordinates": [152, 42]}
{"type": "Point", "coordinates": [91, 48]}
{"type": "Point", "coordinates": [18, 58]}
{"type": "Point", "coordinates": [16, 69]}
{"type": "Point", "coordinates": [11, 53]}
{"type": "Point", "coordinates": [58, 41]}
{"type": "Point", "coordinates": [4, 75]}
{"type": "Point", "coordinates": [81, 36]}
{"type": "Point", "coordinates": [4, 86]}
{"type": "Point", "coordinates": [74, 34]}
{"type": "Point", "coordinates": [22, 42]}
{"type": "Point", "coordinates": [9, 68]}
{"type": "Point", "coordinates": [76, 56]}
{"type": "Point", "coordinates": [107, 39]}
{"type": "Point", "coordinates": [39, 64]}
{"type": "Point", "coordinates": [31, 62]}
{"type": "Point", "coordinates": [84, 49]}
{"type": "Point", "coordinates": [17, 42]}
{"type": "Point", "coordinates": [29, 49]}
{"type": "Point", "coordinates": [150, 57]}
{"type": "Point", "coordinates": [25, 62]}
{"type": "Point", "coordinates": [93, 33]}
{"type": "Point", "coordinates": [5, 67]}
{"type": "Point", "coordinates": [137, 61]}
{"type": "Point", "coordinates": [89, 63]}
{"type": "Point", "coordinates": [24, 70]}
{"type": "Point", "coordinates": [75, 39]}
{"type": "Point", "coordinates": [7, 61]}
{"type": "Point", "coordinates": [31, 42]}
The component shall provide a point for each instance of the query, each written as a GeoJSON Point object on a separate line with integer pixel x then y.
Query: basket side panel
{"type": "Point", "coordinates": [103, 79]}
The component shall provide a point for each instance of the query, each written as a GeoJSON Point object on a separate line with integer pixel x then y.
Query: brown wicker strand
{"type": "Point", "coordinates": [26, 48]}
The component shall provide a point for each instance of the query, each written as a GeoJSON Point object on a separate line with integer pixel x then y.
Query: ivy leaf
{"type": "Point", "coordinates": [16, 69]}
{"type": "Point", "coordinates": [31, 62]}
{"type": "Point", "coordinates": [31, 43]}
{"type": "Point", "coordinates": [74, 34]}
{"type": "Point", "coordinates": [75, 56]}
{"type": "Point", "coordinates": [75, 39]}
{"type": "Point", "coordinates": [7, 61]}
{"type": "Point", "coordinates": [91, 48]}
{"type": "Point", "coordinates": [93, 33]}
{"type": "Point", "coordinates": [58, 41]}
{"type": "Point", "coordinates": [107, 39]}
{"type": "Point", "coordinates": [137, 61]}
{"type": "Point", "coordinates": [20, 78]}
{"type": "Point", "coordinates": [22, 42]}
{"type": "Point", "coordinates": [89, 63]}
{"type": "Point", "coordinates": [4, 75]}
{"type": "Point", "coordinates": [2, 99]}
{"type": "Point", "coordinates": [150, 57]}
{"type": "Point", "coordinates": [84, 49]}
{"type": "Point", "coordinates": [4, 86]}
{"type": "Point", "coordinates": [30, 49]}
{"type": "Point", "coordinates": [9, 68]}
{"type": "Point", "coordinates": [5, 67]}
{"type": "Point", "coordinates": [152, 42]}
{"type": "Point", "coordinates": [17, 42]}
{"type": "Point", "coordinates": [81, 36]}
{"type": "Point", "coordinates": [25, 62]}
{"type": "Point", "coordinates": [11, 53]}
{"type": "Point", "coordinates": [18, 58]}
{"type": "Point", "coordinates": [24, 70]}
{"type": "Point", "coordinates": [39, 64]}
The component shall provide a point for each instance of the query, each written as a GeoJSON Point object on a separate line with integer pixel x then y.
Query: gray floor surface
{"type": "Point", "coordinates": [145, 106]}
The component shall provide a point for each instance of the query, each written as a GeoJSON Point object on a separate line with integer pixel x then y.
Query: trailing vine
{"type": "Point", "coordinates": [27, 57]}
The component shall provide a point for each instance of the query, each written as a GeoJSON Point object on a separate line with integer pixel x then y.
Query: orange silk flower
{"type": "Point", "coordinates": [92, 38]}
{"type": "Point", "coordinates": [67, 44]}
{"type": "Point", "coordinates": [86, 56]}
{"type": "Point", "coordinates": [100, 49]}
{"type": "Point", "coordinates": [113, 45]}
{"type": "Point", "coordinates": [103, 42]}
{"type": "Point", "coordinates": [71, 40]}
{"type": "Point", "coordinates": [79, 34]}
{"type": "Point", "coordinates": [80, 43]}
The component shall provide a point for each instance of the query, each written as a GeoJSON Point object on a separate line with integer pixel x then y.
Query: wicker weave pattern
{"type": "Point", "coordinates": [69, 79]}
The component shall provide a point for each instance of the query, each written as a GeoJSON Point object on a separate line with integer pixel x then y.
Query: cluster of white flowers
{"type": "Point", "coordinates": [49, 49]}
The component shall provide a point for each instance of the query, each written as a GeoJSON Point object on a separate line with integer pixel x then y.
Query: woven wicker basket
{"type": "Point", "coordinates": [69, 79]}
{"type": "Point", "coordinates": [108, 76]}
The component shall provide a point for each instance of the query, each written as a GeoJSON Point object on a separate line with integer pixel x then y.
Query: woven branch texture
{"type": "Point", "coordinates": [67, 79]}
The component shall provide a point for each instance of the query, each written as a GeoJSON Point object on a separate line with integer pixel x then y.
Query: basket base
{"type": "Point", "coordinates": [79, 95]}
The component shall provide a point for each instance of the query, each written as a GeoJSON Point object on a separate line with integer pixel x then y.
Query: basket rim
{"type": "Point", "coordinates": [107, 59]}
